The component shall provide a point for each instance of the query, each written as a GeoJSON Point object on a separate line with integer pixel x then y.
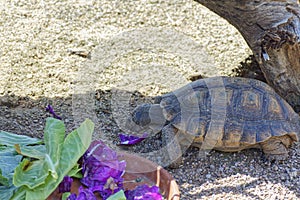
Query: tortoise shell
{"type": "Point", "coordinates": [237, 112]}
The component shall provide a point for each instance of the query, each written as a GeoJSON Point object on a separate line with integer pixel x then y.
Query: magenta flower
{"type": "Point", "coordinates": [143, 192]}
{"type": "Point", "coordinates": [101, 169]}
{"type": "Point", "coordinates": [65, 185]}
{"type": "Point", "coordinates": [131, 139]}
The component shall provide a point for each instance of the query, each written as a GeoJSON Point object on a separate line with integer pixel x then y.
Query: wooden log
{"type": "Point", "coordinates": [271, 28]}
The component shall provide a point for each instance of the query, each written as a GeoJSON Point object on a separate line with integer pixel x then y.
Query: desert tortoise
{"type": "Point", "coordinates": [222, 113]}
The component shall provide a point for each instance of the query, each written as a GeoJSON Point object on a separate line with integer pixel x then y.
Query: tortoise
{"type": "Point", "coordinates": [223, 113]}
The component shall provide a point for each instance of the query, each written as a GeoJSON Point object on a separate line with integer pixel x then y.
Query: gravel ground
{"type": "Point", "coordinates": [61, 52]}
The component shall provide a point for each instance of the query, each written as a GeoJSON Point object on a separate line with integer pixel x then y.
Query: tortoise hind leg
{"type": "Point", "coordinates": [276, 148]}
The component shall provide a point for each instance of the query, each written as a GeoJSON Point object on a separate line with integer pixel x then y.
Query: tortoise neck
{"type": "Point", "coordinates": [156, 117]}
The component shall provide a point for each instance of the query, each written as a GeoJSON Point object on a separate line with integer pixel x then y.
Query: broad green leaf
{"type": "Point", "coordinates": [3, 180]}
{"type": "Point", "coordinates": [19, 193]}
{"type": "Point", "coordinates": [10, 139]}
{"type": "Point", "coordinates": [8, 162]}
{"type": "Point", "coordinates": [54, 136]}
{"type": "Point", "coordinates": [36, 151]}
{"type": "Point", "coordinates": [51, 166]}
{"type": "Point", "coordinates": [7, 151]}
{"type": "Point", "coordinates": [33, 173]}
{"type": "Point", "coordinates": [118, 196]}
{"type": "Point", "coordinates": [7, 192]}
{"type": "Point", "coordinates": [73, 147]}
{"type": "Point", "coordinates": [30, 173]}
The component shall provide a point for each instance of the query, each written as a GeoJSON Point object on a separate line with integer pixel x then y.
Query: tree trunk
{"type": "Point", "coordinates": [272, 30]}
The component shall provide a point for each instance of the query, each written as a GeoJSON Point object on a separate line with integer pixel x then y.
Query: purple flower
{"type": "Point", "coordinates": [72, 197]}
{"type": "Point", "coordinates": [102, 171]}
{"type": "Point", "coordinates": [84, 194]}
{"type": "Point", "coordinates": [131, 139]}
{"type": "Point", "coordinates": [143, 192]}
{"type": "Point", "coordinates": [65, 185]}
{"type": "Point", "coordinates": [51, 111]}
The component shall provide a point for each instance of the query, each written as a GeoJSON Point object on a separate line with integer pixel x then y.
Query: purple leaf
{"type": "Point", "coordinates": [144, 192]}
{"type": "Point", "coordinates": [102, 170]}
{"type": "Point", "coordinates": [84, 194]}
{"type": "Point", "coordinates": [51, 111]}
{"type": "Point", "coordinates": [131, 139]}
{"type": "Point", "coordinates": [65, 185]}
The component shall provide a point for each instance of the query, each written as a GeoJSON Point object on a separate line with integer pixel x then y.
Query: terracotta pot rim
{"type": "Point", "coordinates": [158, 175]}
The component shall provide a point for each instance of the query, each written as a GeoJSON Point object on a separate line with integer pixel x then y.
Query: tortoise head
{"type": "Point", "coordinates": [141, 115]}
{"type": "Point", "coordinates": [147, 116]}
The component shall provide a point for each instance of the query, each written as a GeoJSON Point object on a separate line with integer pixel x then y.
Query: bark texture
{"type": "Point", "coordinates": [271, 28]}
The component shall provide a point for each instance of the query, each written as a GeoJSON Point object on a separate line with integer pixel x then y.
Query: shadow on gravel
{"type": "Point", "coordinates": [27, 116]}
{"type": "Point", "coordinates": [24, 115]}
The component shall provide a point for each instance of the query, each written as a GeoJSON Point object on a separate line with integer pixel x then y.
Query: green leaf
{"type": "Point", "coordinates": [8, 164]}
{"type": "Point", "coordinates": [33, 173]}
{"type": "Point", "coordinates": [65, 195]}
{"type": "Point", "coordinates": [118, 196]}
{"type": "Point", "coordinates": [3, 180]}
{"type": "Point", "coordinates": [19, 193]}
{"type": "Point", "coordinates": [75, 145]}
{"type": "Point", "coordinates": [51, 166]}
{"type": "Point", "coordinates": [75, 172]}
{"type": "Point", "coordinates": [30, 173]}
{"type": "Point", "coordinates": [69, 151]}
{"type": "Point", "coordinates": [36, 151]}
{"type": "Point", "coordinates": [7, 151]}
{"type": "Point", "coordinates": [7, 192]}
{"type": "Point", "coordinates": [9, 160]}
{"type": "Point", "coordinates": [45, 166]}
{"type": "Point", "coordinates": [10, 139]}
{"type": "Point", "coordinates": [54, 136]}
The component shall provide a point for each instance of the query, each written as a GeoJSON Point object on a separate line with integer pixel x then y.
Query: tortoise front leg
{"type": "Point", "coordinates": [171, 143]}
{"type": "Point", "coordinates": [176, 143]}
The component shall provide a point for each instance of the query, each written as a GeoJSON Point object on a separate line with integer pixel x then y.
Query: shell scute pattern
{"type": "Point", "coordinates": [254, 112]}
{"type": "Point", "coordinates": [274, 110]}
